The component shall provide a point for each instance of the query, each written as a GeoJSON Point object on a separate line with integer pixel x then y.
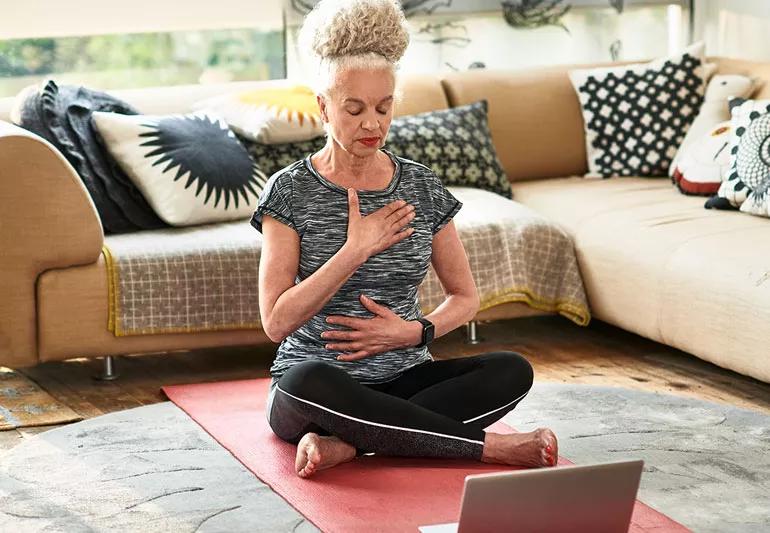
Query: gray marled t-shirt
{"type": "Point", "coordinates": [317, 210]}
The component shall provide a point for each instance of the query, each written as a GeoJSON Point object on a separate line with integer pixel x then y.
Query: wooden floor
{"type": "Point", "coordinates": [559, 351]}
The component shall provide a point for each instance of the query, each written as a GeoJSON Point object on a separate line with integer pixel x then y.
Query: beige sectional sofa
{"type": "Point", "coordinates": [653, 261]}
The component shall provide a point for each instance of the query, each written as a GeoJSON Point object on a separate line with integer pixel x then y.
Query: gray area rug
{"type": "Point", "coordinates": [154, 469]}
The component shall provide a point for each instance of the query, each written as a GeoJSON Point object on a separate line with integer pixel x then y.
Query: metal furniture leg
{"type": "Point", "coordinates": [471, 335]}
{"type": "Point", "coordinates": [108, 372]}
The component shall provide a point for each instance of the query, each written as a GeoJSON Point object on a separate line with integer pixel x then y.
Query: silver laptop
{"type": "Point", "coordinates": [598, 497]}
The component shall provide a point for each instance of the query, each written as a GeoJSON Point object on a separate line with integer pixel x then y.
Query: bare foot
{"type": "Point", "coordinates": [315, 452]}
{"type": "Point", "coordinates": [536, 448]}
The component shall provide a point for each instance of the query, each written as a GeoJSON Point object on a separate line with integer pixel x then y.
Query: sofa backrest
{"type": "Point", "coordinates": [422, 92]}
{"type": "Point", "coordinates": [534, 118]}
{"type": "Point", "coordinates": [534, 114]}
{"type": "Point", "coordinates": [757, 69]}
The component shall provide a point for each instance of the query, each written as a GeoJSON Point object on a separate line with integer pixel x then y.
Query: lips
{"type": "Point", "coordinates": [369, 141]}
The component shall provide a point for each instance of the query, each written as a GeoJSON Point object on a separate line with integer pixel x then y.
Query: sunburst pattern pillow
{"type": "Point", "coordinates": [270, 115]}
{"type": "Point", "coordinates": [191, 168]}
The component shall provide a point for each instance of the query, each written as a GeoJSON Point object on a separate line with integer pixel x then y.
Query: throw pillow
{"type": "Point", "coordinates": [165, 155]}
{"type": "Point", "coordinates": [635, 116]}
{"type": "Point", "coordinates": [270, 115]}
{"type": "Point", "coordinates": [273, 157]}
{"type": "Point", "coordinates": [61, 114]}
{"type": "Point", "coordinates": [455, 143]}
{"type": "Point", "coordinates": [748, 154]}
{"type": "Point", "coordinates": [714, 109]}
{"type": "Point", "coordinates": [702, 164]}
{"type": "Point", "coordinates": [753, 161]}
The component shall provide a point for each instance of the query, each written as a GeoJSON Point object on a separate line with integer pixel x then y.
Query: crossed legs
{"type": "Point", "coordinates": [436, 409]}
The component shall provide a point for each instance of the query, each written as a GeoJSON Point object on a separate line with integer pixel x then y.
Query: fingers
{"type": "Point", "coordinates": [401, 215]}
{"type": "Point", "coordinates": [353, 207]}
{"type": "Point", "coordinates": [343, 320]}
{"type": "Point", "coordinates": [353, 356]}
{"type": "Point", "coordinates": [401, 235]}
{"type": "Point", "coordinates": [374, 307]}
{"type": "Point", "coordinates": [344, 346]}
{"type": "Point", "coordinates": [340, 335]}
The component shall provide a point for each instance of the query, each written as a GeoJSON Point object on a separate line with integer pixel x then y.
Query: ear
{"type": "Point", "coordinates": [322, 107]}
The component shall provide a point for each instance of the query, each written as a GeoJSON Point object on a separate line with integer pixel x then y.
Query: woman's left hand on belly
{"type": "Point", "coordinates": [368, 336]}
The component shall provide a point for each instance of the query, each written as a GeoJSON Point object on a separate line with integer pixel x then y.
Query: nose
{"type": "Point", "coordinates": [370, 122]}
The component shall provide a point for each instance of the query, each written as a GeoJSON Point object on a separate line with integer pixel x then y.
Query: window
{"type": "Point", "coordinates": [140, 43]}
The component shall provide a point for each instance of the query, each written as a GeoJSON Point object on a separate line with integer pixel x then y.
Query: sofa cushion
{"type": "Point", "coordinates": [72, 318]}
{"type": "Point", "coordinates": [747, 181]}
{"type": "Point", "coordinates": [635, 116]}
{"type": "Point", "coordinates": [701, 165]}
{"type": "Point", "coordinates": [72, 311]}
{"type": "Point", "coordinates": [455, 143]}
{"type": "Point", "coordinates": [273, 157]}
{"type": "Point", "coordinates": [271, 115]}
{"type": "Point", "coordinates": [527, 111]}
{"type": "Point", "coordinates": [714, 110]}
{"type": "Point", "coordinates": [191, 168]}
{"type": "Point", "coordinates": [205, 277]}
{"type": "Point", "coordinates": [655, 262]}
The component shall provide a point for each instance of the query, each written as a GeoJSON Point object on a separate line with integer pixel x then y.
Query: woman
{"type": "Point", "coordinates": [348, 233]}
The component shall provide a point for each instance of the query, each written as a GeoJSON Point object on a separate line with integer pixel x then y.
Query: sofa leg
{"type": "Point", "coordinates": [108, 372]}
{"type": "Point", "coordinates": [471, 336]}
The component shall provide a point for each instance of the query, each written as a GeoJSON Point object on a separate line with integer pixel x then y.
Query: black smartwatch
{"type": "Point", "coordinates": [427, 332]}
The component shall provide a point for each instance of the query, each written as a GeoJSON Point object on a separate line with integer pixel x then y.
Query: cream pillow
{"type": "Point", "coordinates": [272, 114]}
{"type": "Point", "coordinates": [191, 168]}
{"type": "Point", "coordinates": [714, 110]}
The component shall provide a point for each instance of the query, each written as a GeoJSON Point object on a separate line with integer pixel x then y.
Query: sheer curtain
{"type": "Point", "coordinates": [734, 28]}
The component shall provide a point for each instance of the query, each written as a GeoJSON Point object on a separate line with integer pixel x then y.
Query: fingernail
{"type": "Point", "coordinates": [548, 448]}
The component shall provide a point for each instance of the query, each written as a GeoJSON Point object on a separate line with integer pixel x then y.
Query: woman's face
{"type": "Point", "coordinates": [360, 110]}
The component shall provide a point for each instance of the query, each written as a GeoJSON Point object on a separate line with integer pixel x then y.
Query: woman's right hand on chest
{"type": "Point", "coordinates": [379, 230]}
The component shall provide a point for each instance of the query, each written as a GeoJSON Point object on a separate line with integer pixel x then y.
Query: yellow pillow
{"type": "Point", "coordinates": [271, 114]}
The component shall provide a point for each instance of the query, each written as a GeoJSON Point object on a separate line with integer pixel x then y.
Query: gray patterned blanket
{"type": "Point", "coordinates": [204, 278]}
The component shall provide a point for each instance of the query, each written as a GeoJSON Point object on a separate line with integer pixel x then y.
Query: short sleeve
{"type": "Point", "coordinates": [275, 201]}
{"type": "Point", "coordinates": [445, 205]}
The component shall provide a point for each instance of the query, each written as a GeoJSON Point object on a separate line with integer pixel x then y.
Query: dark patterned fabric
{"type": "Point", "coordinates": [61, 115]}
{"type": "Point", "coordinates": [748, 179]}
{"type": "Point", "coordinates": [273, 157]}
{"type": "Point", "coordinates": [637, 116]}
{"type": "Point", "coordinates": [455, 143]}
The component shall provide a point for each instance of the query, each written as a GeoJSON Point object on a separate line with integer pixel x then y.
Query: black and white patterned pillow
{"type": "Point", "coordinates": [636, 116]}
{"type": "Point", "coordinates": [273, 157]}
{"type": "Point", "coordinates": [455, 143]}
{"type": "Point", "coordinates": [748, 177]}
{"type": "Point", "coordinates": [191, 168]}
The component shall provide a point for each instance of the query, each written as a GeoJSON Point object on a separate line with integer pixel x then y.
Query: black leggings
{"type": "Point", "coordinates": [435, 409]}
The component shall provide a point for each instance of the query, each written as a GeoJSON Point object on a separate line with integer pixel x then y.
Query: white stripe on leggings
{"type": "Point", "coordinates": [377, 423]}
{"type": "Point", "coordinates": [493, 410]}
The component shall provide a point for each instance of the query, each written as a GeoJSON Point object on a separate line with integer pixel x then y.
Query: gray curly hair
{"type": "Point", "coordinates": [339, 34]}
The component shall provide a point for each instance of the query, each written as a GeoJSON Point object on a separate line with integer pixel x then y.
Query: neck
{"type": "Point", "coordinates": [340, 162]}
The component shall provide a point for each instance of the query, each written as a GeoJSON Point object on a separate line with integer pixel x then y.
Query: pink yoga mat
{"type": "Point", "coordinates": [368, 494]}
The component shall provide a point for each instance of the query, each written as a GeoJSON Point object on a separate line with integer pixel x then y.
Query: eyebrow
{"type": "Point", "coordinates": [357, 101]}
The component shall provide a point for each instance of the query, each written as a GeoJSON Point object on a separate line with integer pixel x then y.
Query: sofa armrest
{"type": "Point", "coordinates": [47, 221]}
